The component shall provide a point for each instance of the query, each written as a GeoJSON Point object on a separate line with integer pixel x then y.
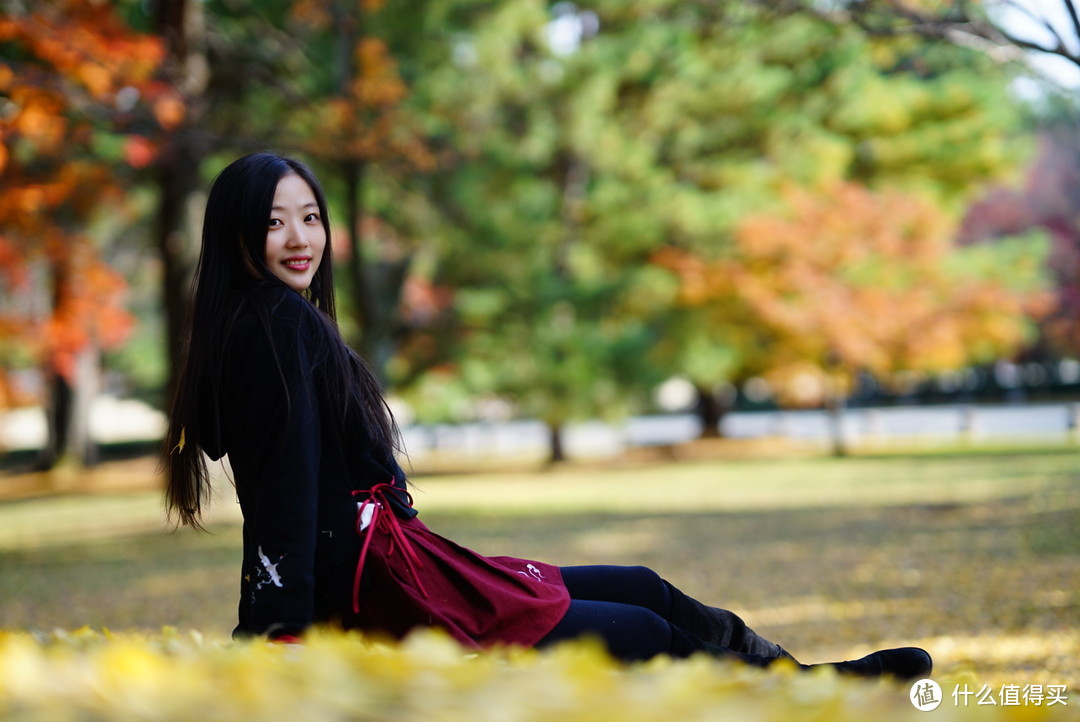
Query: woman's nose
{"type": "Point", "coordinates": [296, 237]}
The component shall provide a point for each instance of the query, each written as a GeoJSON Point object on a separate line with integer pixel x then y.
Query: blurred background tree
{"type": "Point", "coordinates": [1044, 39]}
{"type": "Point", "coordinates": [819, 104]}
{"type": "Point", "coordinates": [551, 208]}
{"type": "Point", "coordinates": [545, 316]}
{"type": "Point", "coordinates": [656, 130]}
{"type": "Point", "coordinates": [1001, 29]}
{"type": "Point", "coordinates": [355, 118]}
{"type": "Point", "coordinates": [72, 76]}
{"type": "Point", "coordinates": [1046, 200]}
{"type": "Point", "coordinates": [852, 281]}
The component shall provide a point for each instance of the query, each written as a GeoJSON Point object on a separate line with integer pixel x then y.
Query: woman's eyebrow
{"type": "Point", "coordinates": [312, 204]}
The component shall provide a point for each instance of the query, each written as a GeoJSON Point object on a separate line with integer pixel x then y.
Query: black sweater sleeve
{"type": "Point", "coordinates": [276, 453]}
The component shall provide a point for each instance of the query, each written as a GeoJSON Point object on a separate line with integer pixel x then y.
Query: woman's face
{"type": "Point", "coordinates": [295, 238]}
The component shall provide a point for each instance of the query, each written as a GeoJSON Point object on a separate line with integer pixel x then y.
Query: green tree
{"type": "Point", "coordinates": [1002, 29]}
{"type": "Point", "coordinates": [663, 132]}
{"type": "Point", "coordinates": [545, 317]}
{"type": "Point", "coordinates": [733, 102]}
{"type": "Point", "coordinates": [320, 79]}
{"type": "Point", "coordinates": [357, 123]}
{"type": "Point", "coordinates": [1013, 33]}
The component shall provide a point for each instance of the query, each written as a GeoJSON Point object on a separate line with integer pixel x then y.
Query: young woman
{"type": "Point", "coordinates": [330, 534]}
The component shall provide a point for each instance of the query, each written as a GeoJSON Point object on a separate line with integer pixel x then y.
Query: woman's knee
{"type": "Point", "coordinates": [629, 632]}
{"type": "Point", "coordinates": [637, 585]}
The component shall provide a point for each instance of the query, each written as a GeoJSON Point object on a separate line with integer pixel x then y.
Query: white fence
{"type": "Point", "coordinates": [114, 420]}
{"type": "Point", "coordinates": [1047, 423]}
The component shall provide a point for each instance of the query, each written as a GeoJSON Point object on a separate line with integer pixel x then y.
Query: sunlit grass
{"type": "Point", "coordinates": [753, 484]}
{"type": "Point", "coordinates": [974, 556]}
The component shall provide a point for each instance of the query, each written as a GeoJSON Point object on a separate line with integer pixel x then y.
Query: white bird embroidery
{"type": "Point", "coordinates": [271, 569]}
{"type": "Point", "coordinates": [533, 572]}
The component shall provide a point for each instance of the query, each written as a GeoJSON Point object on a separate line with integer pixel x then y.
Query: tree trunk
{"type": "Point", "coordinates": [348, 19]}
{"type": "Point", "coordinates": [838, 376]}
{"type": "Point", "coordinates": [364, 299]}
{"type": "Point", "coordinates": [835, 405]}
{"type": "Point", "coordinates": [711, 410]}
{"type": "Point", "coordinates": [375, 292]}
{"type": "Point", "coordinates": [558, 454]}
{"type": "Point", "coordinates": [68, 442]}
{"type": "Point", "coordinates": [179, 23]}
{"type": "Point", "coordinates": [70, 394]}
{"type": "Point", "coordinates": [177, 180]}
{"type": "Point", "coordinates": [57, 420]}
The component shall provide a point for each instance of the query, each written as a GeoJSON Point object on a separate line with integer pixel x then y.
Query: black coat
{"type": "Point", "coordinates": [297, 453]}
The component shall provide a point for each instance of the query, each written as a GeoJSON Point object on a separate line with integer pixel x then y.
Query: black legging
{"type": "Point", "coordinates": [626, 607]}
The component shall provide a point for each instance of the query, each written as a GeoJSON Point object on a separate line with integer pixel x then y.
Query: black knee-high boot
{"type": "Point", "coordinates": [904, 663]}
{"type": "Point", "coordinates": [724, 634]}
{"type": "Point", "coordinates": [719, 627]}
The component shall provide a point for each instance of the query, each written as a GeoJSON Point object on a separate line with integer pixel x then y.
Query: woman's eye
{"type": "Point", "coordinates": [311, 218]}
{"type": "Point", "coordinates": [275, 223]}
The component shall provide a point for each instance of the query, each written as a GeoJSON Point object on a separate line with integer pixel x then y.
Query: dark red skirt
{"type": "Point", "coordinates": [433, 582]}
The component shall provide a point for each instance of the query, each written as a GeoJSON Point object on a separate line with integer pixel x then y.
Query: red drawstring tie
{"type": "Point", "coordinates": [389, 524]}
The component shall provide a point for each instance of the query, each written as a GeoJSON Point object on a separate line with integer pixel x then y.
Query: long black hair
{"type": "Point", "coordinates": [230, 274]}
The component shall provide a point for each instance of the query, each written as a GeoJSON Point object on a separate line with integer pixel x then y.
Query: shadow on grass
{"type": "Point", "coordinates": [815, 580]}
{"type": "Point", "coordinates": [975, 555]}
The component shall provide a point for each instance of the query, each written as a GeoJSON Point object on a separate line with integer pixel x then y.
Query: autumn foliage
{"type": "Point", "coordinates": [174, 676]}
{"type": "Point", "coordinates": [71, 71]}
{"type": "Point", "coordinates": [853, 279]}
{"type": "Point", "coordinates": [364, 118]}
{"type": "Point", "coordinates": [1047, 200]}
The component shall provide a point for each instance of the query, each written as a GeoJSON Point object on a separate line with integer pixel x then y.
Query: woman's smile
{"type": "Point", "coordinates": [297, 263]}
{"type": "Point", "coordinates": [295, 236]}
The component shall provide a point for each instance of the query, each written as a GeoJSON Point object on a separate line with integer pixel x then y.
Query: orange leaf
{"type": "Point", "coordinates": [170, 112]}
{"type": "Point", "coordinates": [139, 151]}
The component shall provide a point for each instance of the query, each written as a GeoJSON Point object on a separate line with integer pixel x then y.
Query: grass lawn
{"type": "Point", "coordinates": [975, 555]}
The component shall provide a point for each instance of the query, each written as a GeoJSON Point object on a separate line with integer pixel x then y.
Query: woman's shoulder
{"type": "Point", "coordinates": [281, 301]}
{"type": "Point", "coordinates": [277, 304]}
{"type": "Point", "coordinates": [278, 314]}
